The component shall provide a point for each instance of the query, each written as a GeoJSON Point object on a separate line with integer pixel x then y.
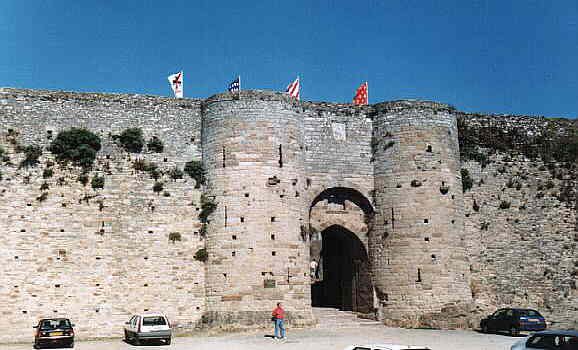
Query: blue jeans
{"type": "Point", "coordinates": [279, 325]}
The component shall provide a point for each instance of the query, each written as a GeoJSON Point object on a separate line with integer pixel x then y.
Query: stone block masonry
{"type": "Point", "coordinates": [289, 179]}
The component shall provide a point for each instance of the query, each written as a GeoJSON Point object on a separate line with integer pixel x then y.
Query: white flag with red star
{"type": "Point", "coordinates": [176, 81]}
{"type": "Point", "coordinates": [293, 89]}
{"type": "Point", "coordinates": [361, 95]}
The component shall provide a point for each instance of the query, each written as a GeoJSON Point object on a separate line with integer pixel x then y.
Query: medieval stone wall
{"type": "Point", "coordinates": [97, 255]}
{"type": "Point", "coordinates": [273, 165]}
{"type": "Point", "coordinates": [522, 238]}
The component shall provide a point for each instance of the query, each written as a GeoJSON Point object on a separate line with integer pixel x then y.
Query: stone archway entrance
{"type": "Point", "coordinates": [340, 222]}
{"type": "Point", "coordinates": [344, 279]}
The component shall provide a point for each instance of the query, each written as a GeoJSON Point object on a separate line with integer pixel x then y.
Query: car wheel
{"type": "Point", "coordinates": [168, 341]}
{"type": "Point", "coordinates": [514, 332]}
{"type": "Point", "coordinates": [485, 329]}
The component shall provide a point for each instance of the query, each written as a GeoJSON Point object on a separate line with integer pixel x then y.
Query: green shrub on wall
{"type": "Point", "coordinates": [194, 169]}
{"type": "Point", "coordinates": [158, 187]}
{"type": "Point", "coordinates": [131, 140]}
{"type": "Point", "coordinates": [201, 255]}
{"type": "Point", "coordinates": [75, 145]}
{"type": "Point", "coordinates": [31, 155]}
{"type": "Point", "coordinates": [208, 206]}
{"type": "Point", "coordinates": [48, 172]}
{"type": "Point", "coordinates": [155, 145]}
{"type": "Point", "coordinates": [97, 182]}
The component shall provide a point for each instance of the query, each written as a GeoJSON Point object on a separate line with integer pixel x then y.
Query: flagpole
{"type": "Point", "coordinates": [367, 91]}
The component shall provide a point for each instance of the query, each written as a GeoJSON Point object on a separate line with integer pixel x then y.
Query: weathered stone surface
{"type": "Point", "coordinates": [273, 165]}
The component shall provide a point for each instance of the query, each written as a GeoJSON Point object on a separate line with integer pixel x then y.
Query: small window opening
{"type": "Point", "coordinates": [24, 312]}
{"type": "Point", "coordinates": [165, 160]}
{"type": "Point", "coordinates": [246, 195]}
{"type": "Point", "coordinates": [57, 286]}
{"type": "Point", "coordinates": [242, 219]}
{"type": "Point", "coordinates": [273, 219]}
{"type": "Point", "coordinates": [224, 157]}
{"type": "Point", "coordinates": [272, 237]}
{"type": "Point", "coordinates": [418, 275]}
{"type": "Point", "coordinates": [280, 156]}
{"type": "Point", "coordinates": [308, 183]}
{"type": "Point", "coordinates": [146, 285]}
{"type": "Point", "coordinates": [426, 239]}
{"type": "Point", "coordinates": [273, 253]}
{"type": "Point", "coordinates": [234, 237]}
{"type": "Point", "coordinates": [233, 253]}
{"type": "Point", "coordinates": [426, 221]}
{"type": "Point", "coordinates": [429, 150]}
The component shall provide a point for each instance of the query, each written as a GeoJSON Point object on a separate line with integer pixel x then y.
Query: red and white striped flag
{"type": "Point", "coordinates": [293, 89]}
{"type": "Point", "coordinates": [361, 95]}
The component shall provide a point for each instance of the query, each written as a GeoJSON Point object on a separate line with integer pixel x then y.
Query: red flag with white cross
{"type": "Point", "coordinates": [361, 95]}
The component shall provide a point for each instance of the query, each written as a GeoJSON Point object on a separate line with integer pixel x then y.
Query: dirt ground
{"type": "Point", "coordinates": [315, 339]}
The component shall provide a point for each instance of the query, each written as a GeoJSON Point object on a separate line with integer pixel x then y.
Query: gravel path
{"type": "Point", "coordinates": [315, 339]}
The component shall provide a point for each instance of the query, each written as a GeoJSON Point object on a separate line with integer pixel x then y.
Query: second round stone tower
{"type": "Point", "coordinates": [416, 247]}
{"type": "Point", "coordinates": [257, 250]}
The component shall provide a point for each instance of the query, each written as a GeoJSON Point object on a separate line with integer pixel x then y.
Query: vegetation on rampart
{"type": "Point", "coordinates": [155, 145]}
{"type": "Point", "coordinates": [208, 206]}
{"type": "Point", "coordinates": [553, 142]}
{"type": "Point", "coordinates": [194, 169]}
{"type": "Point", "coordinates": [131, 140]}
{"type": "Point", "coordinates": [78, 146]}
{"type": "Point", "coordinates": [31, 155]}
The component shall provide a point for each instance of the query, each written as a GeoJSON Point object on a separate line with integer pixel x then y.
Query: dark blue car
{"type": "Point", "coordinates": [513, 321]}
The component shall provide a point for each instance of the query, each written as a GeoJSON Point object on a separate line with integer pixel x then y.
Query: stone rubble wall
{"type": "Point", "coordinates": [97, 256]}
{"type": "Point", "coordinates": [525, 255]}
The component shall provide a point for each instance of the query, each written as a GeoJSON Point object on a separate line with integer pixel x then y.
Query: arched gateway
{"type": "Point", "coordinates": [340, 220]}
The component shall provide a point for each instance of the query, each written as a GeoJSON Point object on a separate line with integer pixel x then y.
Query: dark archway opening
{"type": "Point", "coordinates": [344, 278]}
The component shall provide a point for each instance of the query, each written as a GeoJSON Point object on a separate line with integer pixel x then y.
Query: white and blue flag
{"type": "Point", "coordinates": [235, 85]}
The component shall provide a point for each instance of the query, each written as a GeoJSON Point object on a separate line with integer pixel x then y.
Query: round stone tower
{"type": "Point", "coordinates": [417, 249]}
{"type": "Point", "coordinates": [257, 252]}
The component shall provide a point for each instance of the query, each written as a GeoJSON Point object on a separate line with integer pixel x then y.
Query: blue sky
{"type": "Point", "coordinates": [489, 56]}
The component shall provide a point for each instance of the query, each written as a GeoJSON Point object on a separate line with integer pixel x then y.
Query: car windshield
{"type": "Point", "coordinates": [154, 321]}
{"type": "Point", "coordinates": [529, 313]}
{"type": "Point", "coordinates": [54, 324]}
{"type": "Point", "coordinates": [551, 341]}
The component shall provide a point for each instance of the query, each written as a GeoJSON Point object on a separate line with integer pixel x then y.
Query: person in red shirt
{"type": "Point", "coordinates": [279, 319]}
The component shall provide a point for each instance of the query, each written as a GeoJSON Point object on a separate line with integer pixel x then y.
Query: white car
{"type": "Point", "coordinates": [385, 347]}
{"type": "Point", "coordinates": [148, 326]}
{"type": "Point", "coordinates": [551, 339]}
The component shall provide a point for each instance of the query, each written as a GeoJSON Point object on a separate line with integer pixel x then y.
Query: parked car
{"type": "Point", "coordinates": [513, 321]}
{"type": "Point", "coordinates": [385, 347]}
{"type": "Point", "coordinates": [54, 332]}
{"type": "Point", "coordinates": [551, 339]}
{"type": "Point", "coordinates": [148, 326]}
